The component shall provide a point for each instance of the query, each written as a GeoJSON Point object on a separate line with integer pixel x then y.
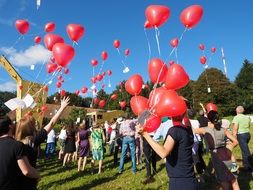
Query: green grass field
{"type": "Point", "coordinates": [54, 176]}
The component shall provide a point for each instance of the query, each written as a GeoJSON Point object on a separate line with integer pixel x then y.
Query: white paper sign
{"type": "Point", "coordinates": [28, 100]}
{"type": "Point", "coordinates": [15, 103]}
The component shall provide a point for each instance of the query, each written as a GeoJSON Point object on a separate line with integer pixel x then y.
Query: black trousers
{"type": "Point", "coordinates": [150, 158]}
{"type": "Point", "coordinates": [200, 165]}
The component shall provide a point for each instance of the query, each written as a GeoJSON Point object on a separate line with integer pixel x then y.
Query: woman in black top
{"type": "Point", "coordinates": [26, 133]}
{"type": "Point", "coordinates": [70, 146]}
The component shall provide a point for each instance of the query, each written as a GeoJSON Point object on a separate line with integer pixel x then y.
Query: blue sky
{"type": "Point", "coordinates": [224, 24]}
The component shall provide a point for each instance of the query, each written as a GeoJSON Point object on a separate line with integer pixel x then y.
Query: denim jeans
{"type": "Point", "coordinates": [50, 149]}
{"type": "Point", "coordinates": [243, 140]}
{"type": "Point", "coordinates": [131, 142]}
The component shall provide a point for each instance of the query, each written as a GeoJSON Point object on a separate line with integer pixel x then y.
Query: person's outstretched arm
{"type": "Point", "coordinates": [53, 121]}
{"type": "Point", "coordinates": [27, 169]}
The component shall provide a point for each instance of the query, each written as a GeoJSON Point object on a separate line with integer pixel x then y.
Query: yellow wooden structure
{"type": "Point", "coordinates": [25, 87]}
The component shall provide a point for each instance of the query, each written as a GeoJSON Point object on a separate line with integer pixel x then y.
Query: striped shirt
{"type": "Point", "coordinates": [127, 128]}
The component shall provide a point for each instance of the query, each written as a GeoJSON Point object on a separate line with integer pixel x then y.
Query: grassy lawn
{"type": "Point", "coordinates": [54, 176]}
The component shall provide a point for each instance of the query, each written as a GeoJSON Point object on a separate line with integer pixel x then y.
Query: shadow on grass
{"type": "Point", "coordinates": [244, 179]}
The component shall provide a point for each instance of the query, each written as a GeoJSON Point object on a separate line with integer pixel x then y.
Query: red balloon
{"type": "Point", "coordinates": [93, 80]}
{"type": "Point", "coordinates": [51, 67]}
{"type": "Point", "coordinates": [101, 103]}
{"type": "Point", "coordinates": [59, 77]}
{"type": "Point", "coordinates": [176, 77]}
{"type": "Point", "coordinates": [134, 84]}
{"type": "Point", "coordinates": [45, 88]}
{"type": "Point", "coordinates": [109, 72]}
{"type": "Point", "coordinates": [157, 68]}
{"type": "Point", "coordinates": [138, 104]}
{"type": "Point", "coordinates": [22, 26]}
{"type": "Point", "coordinates": [63, 54]}
{"type": "Point", "coordinates": [120, 84]}
{"type": "Point", "coordinates": [103, 86]}
{"type": "Point", "coordinates": [37, 39]}
{"type": "Point", "coordinates": [103, 73]}
{"type": "Point", "coordinates": [157, 15]}
{"type": "Point", "coordinates": [122, 104]}
{"type": "Point", "coordinates": [95, 100]}
{"type": "Point", "coordinates": [174, 42]}
{"type": "Point", "coordinates": [94, 62]}
{"type": "Point", "coordinates": [66, 71]}
{"type": "Point", "coordinates": [211, 106]}
{"type": "Point", "coordinates": [171, 63]}
{"type": "Point", "coordinates": [170, 105]}
{"type": "Point", "coordinates": [51, 39]}
{"type": "Point", "coordinates": [99, 77]}
{"type": "Point", "coordinates": [127, 51]}
{"type": "Point", "coordinates": [201, 47]}
{"type": "Point", "coordinates": [155, 96]}
{"type": "Point", "coordinates": [114, 97]}
{"type": "Point", "coordinates": [43, 108]}
{"type": "Point", "coordinates": [58, 84]}
{"type": "Point", "coordinates": [49, 27]}
{"type": "Point", "coordinates": [84, 90]}
{"type": "Point", "coordinates": [191, 16]}
{"type": "Point", "coordinates": [104, 55]}
{"type": "Point", "coordinates": [152, 123]}
{"type": "Point", "coordinates": [62, 81]}
{"type": "Point", "coordinates": [77, 92]}
{"type": "Point", "coordinates": [147, 24]}
{"type": "Point", "coordinates": [75, 31]}
{"type": "Point", "coordinates": [213, 49]}
{"type": "Point", "coordinates": [116, 43]}
{"type": "Point", "coordinates": [203, 60]}
{"type": "Point", "coordinates": [63, 93]}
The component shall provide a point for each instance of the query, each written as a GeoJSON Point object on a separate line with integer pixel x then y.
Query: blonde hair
{"type": "Point", "coordinates": [26, 127]}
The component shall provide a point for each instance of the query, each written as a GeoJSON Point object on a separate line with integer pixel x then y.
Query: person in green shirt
{"type": "Point", "coordinates": [241, 126]}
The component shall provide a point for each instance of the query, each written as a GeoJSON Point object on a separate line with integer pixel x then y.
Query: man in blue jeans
{"type": "Point", "coordinates": [241, 125]}
{"type": "Point", "coordinates": [127, 130]}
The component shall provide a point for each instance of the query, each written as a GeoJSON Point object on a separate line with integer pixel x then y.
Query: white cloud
{"type": "Point", "coordinates": [8, 86]}
{"type": "Point", "coordinates": [36, 54]}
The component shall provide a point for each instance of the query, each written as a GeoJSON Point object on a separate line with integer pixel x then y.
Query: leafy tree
{"type": "Point", "coordinates": [4, 97]}
{"type": "Point", "coordinates": [187, 92]}
{"type": "Point", "coordinates": [223, 93]}
{"type": "Point", "coordinates": [77, 113]}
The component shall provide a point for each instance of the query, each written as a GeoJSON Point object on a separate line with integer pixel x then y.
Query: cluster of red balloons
{"type": "Point", "coordinates": [203, 58]}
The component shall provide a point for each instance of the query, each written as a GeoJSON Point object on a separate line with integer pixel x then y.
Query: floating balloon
{"type": "Point", "coordinates": [103, 86]}
{"type": "Point", "coordinates": [95, 100]}
{"type": "Point", "coordinates": [103, 73]}
{"type": "Point", "coordinates": [22, 26]}
{"type": "Point", "coordinates": [51, 39]}
{"type": "Point", "coordinates": [84, 90]}
{"type": "Point", "coordinates": [114, 97]}
{"type": "Point", "coordinates": [174, 42]}
{"type": "Point", "coordinates": [94, 62]}
{"type": "Point", "coordinates": [66, 70]}
{"type": "Point", "coordinates": [203, 60]}
{"type": "Point", "coordinates": [213, 49]}
{"type": "Point", "coordinates": [58, 84]}
{"type": "Point", "coordinates": [62, 93]}
{"type": "Point", "coordinates": [157, 70]}
{"type": "Point", "coordinates": [37, 39]}
{"type": "Point", "coordinates": [152, 123]}
{"type": "Point", "coordinates": [45, 88]}
{"type": "Point", "coordinates": [176, 77]}
{"type": "Point", "coordinates": [122, 104]}
{"type": "Point", "coordinates": [127, 51]}
{"type": "Point", "coordinates": [75, 31]}
{"type": "Point", "coordinates": [155, 96]}
{"type": "Point", "coordinates": [109, 72]}
{"type": "Point", "coordinates": [147, 24]}
{"type": "Point", "coordinates": [51, 67]}
{"type": "Point", "coordinates": [201, 47]}
{"type": "Point", "coordinates": [157, 15]}
{"type": "Point", "coordinates": [171, 63]}
{"type": "Point", "coordinates": [134, 84]}
{"type": "Point", "coordinates": [49, 27]}
{"type": "Point", "coordinates": [99, 77]}
{"type": "Point", "coordinates": [191, 16]}
{"type": "Point", "coordinates": [104, 55]}
{"type": "Point", "coordinates": [138, 104]}
{"type": "Point", "coordinates": [59, 77]}
{"type": "Point", "coordinates": [101, 103]}
{"type": "Point", "coordinates": [211, 106]}
{"type": "Point", "coordinates": [43, 108]}
{"type": "Point", "coordinates": [63, 53]}
{"type": "Point", "coordinates": [116, 43]}
{"type": "Point", "coordinates": [93, 80]}
{"type": "Point", "coordinates": [77, 92]}
{"type": "Point", "coordinates": [170, 105]}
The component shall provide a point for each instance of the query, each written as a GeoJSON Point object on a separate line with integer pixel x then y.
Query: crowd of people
{"type": "Point", "coordinates": [181, 141]}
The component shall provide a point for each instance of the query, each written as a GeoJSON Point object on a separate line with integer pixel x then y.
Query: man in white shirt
{"type": "Point", "coordinates": [50, 147]}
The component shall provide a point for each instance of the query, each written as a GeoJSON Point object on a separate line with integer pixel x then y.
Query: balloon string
{"type": "Point", "coordinates": [149, 48]}
{"type": "Point", "coordinates": [93, 71]}
{"type": "Point", "coordinates": [17, 41]}
{"type": "Point", "coordinates": [157, 33]}
{"type": "Point", "coordinates": [101, 67]}
{"type": "Point", "coordinates": [121, 58]}
{"type": "Point", "coordinates": [181, 37]}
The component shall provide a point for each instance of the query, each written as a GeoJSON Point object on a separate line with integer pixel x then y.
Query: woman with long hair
{"type": "Point", "coordinates": [70, 143]}
{"type": "Point", "coordinates": [26, 132]}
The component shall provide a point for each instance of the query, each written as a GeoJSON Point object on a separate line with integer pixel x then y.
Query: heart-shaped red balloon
{"type": "Point", "coordinates": [191, 16]}
{"type": "Point", "coordinates": [157, 14]}
{"type": "Point", "coordinates": [157, 70]}
{"type": "Point", "coordinates": [109, 72]}
{"type": "Point", "coordinates": [101, 103]}
{"type": "Point", "coordinates": [51, 67]}
{"type": "Point", "coordinates": [174, 42]}
{"type": "Point", "coordinates": [77, 92]}
{"type": "Point", "coordinates": [122, 104]}
{"type": "Point", "coordinates": [176, 77]}
{"type": "Point", "coordinates": [49, 27]}
{"type": "Point", "coordinates": [84, 90]}
{"type": "Point", "coordinates": [22, 26]}
{"type": "Point", "coordinates": [63, 93]}
{"type": "Point", "coordinates": [152, 123]}
{"type": "Point", "coordinates": [93, 80]}
{"type": "Point", "coordinates": [134, 84]}
{"type": "Point", "coordinates": [58, 84]}
{"type": "Point", "coordinates": [104, 55]}
{"type": "Point", "coordinates": [95, 100]}
{"type": "Point", "coordinates": [202, 60]}
{"type": "Point", "coordinates": [63, 54]}
{"type": "Point", "coordinates": [116, 43]}
{"type": "Point", "coordinates": [37, 39]}
{"type": "Point", "coordinates": [99, 77]}
{"type": "Point", "coordinates": [155, 96]}
{"type": "Point", "coordinates": [213, 49]}
{"type": "Point", "coordinates": [170, 105]}
{"type": "Point", "coordinates": [75, 31]}
{"type": "Point", "coordinates": [138, 104]}
{"type": "Point", "coordinates": [201, 47]}
{"type": "Point", "coordinates": [114, 96]}
{"type": "Point", "coordinates": [51, 39]}
{"type": "Point", "coordinates": [94, 62]}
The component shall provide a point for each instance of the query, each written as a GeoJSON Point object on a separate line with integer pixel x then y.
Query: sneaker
{"type": "Point", "coordinates": [148, 180]}
{"type": "Point", "coordinates": [234, 168]}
